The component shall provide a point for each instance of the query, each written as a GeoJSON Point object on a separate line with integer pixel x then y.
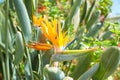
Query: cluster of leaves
{"type": "Point", "coordinates": [105, 6]}
{"type": "Point", "coordinates": [55, 8]}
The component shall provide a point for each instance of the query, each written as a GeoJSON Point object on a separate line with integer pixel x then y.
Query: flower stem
{"type": "Point", "coordinates": [78, 51]}
{"type": "Point", "coordinates": [28, 57]}
{"type": "Point", "coordinates": [40, 65]}
{"type": "Point", "coordinates": [7, 40]}
{"type": "Point", "coordinates": [68, 68]}
{"type": "Point", "coordinates": [3, 66]}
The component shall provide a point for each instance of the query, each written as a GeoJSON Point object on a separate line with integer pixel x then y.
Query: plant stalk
{"type": "Point", "coordinates": [68, 68]}
{"type": "Point", "coordinates": [40, 65]}
{"type": "Point", "coordinates": [3, 66]}
{"type": "Point", "coordinates": [7, 41]}
{"type": "Point", "coordinates": [28, 57]}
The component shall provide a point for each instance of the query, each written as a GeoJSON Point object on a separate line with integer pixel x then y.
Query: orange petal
{"type": "Point", "coordinates": [37, 21]}
{"type": "Point", "coordinates": [40, 46]}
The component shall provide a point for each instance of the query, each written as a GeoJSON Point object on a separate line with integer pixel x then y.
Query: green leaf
{"type": "Point", "coordinates": [108, 63]}
{"type": "Point", "coordinates": [53, 73]}
{"type": "Point", "coordinates": [27, 71]}
{"type": "Point", "coordinates": [106, 35]}
{"type": "Point", "coordinates": [65, 57]}
{"type": "Point", "coordinates": [74, 9]}
{"type": "Point", "coordinates": [36, 76]}
{"type": "Point", "coordinates": [79, 35]}
{"type": "Point", "coordinates": [30, 7]}
{"type": "Point", "coordinates": [46, 57]}
{"type": "Point", "coordinates": [88, 74]}
{"type": "Point", "coordinates": [16, 75]}
{"type": "Point", "coordinates": [93, 31]}
{"type": "Point", "coordinates": [68, 55]}
{"type": "Point", "coordinates": [84, 11]}
{"type": "Point", "coordinates": [19, 48]}
{"type": "Point", "coordinates": [82, 66]}
{"type": "Point", "coordinates": [76, 19]}
{"type": "Point", "coordinates": [23, 18]}
{"type": "Point", "coordinates": [2, 47]}
{"type": "Point", "coordinates": [89, 14]}
{"type": "Point", "coordinates": [3, 28]}
{"type": "Point", "coordinates": [11, 5]}
{"type": "Point", "coordinates": [93, 19]}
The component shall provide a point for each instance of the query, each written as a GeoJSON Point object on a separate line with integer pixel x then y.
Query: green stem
{"type": "Point", "coordinates": [3, 66]}
{"type": "Point", "coordinates": [28, 57]}
{"type": "Point", "coordinates": [29, 60]}
{"type": "Point", "coordinates": [67, 69]}
{"type": "Point", "coordinates": [6, 45]}
{"type": "Point", "coordinates": [51, 62]}
{"type": "Point", "coordinates": [78, 51]}
{"type": "Point", "coordinates": [2, 47]}
{"type": "Point", "coordinates": [40, 65]}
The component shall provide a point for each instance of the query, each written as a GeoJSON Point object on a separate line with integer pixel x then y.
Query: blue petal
{"type": "Point", "coordinates": [70, 43]}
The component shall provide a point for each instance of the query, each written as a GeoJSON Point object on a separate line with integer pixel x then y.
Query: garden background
{"type": "Point", "coordinates": [59, 40]}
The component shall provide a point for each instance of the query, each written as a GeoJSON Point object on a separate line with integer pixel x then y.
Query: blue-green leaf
{"type": "Point", "coordinates": [108, 63]}
{"type": "Point", "coordinates": [67, 55]}
{"type": "Point", "coordinates": [82, 65]}
{"type": "Point", "coordinates": [74, 9]}
{"type": "Point", "coordinates": [53, 73]}
{"type": "Point", "coordinates": [88, 74]}
{"type": "Point", "coordinates": [23, 18]}
{"type": "Point", "coordinates": [19, 48]}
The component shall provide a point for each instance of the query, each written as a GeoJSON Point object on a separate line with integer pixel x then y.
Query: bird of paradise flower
{"type": "Point", "coordinates": [36, 20]}
{"type": "Point", "coordinates": [53, 32]}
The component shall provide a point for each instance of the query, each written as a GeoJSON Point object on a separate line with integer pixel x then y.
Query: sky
{"type": "Point", "coordinates": [115, 8]}
{"type": "Point", "coordinates": [1, 1]}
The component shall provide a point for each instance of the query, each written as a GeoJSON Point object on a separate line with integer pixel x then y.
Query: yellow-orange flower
{"type": "Point", "coordinates": [53, 32]}
{"type": "Point", "coordinates": [36, 21]}
{"type": "Point", "coordinates": [40, 46]}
